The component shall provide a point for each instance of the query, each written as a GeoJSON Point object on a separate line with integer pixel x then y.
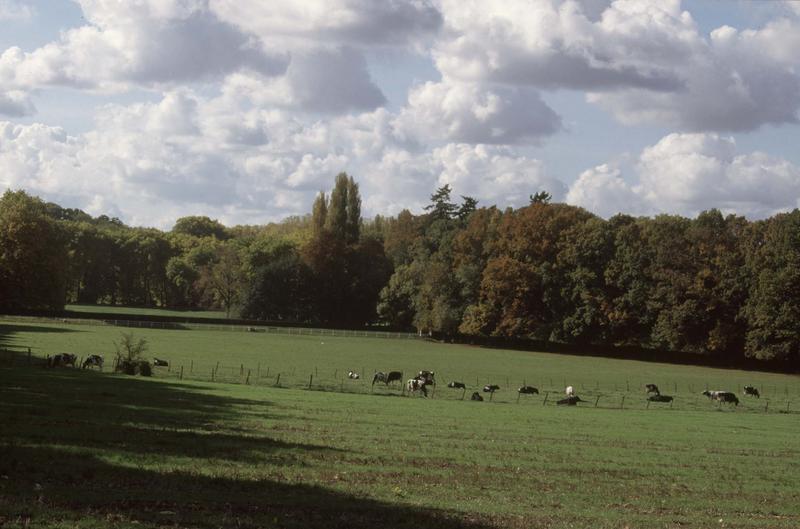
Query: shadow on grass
{"type": "Point", "coordinates": [8, 330]}
{"type": "Point", "coordinates": [83, 448]}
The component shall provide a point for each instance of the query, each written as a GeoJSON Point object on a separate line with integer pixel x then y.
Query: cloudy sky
{"type": "Point", "coordinates": [243, 110]}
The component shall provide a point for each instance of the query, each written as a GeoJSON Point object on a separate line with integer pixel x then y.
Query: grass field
{"type": "Point", "coordinates": [118, 310]}
{"type": "Point", "coordinates": [89, 449]}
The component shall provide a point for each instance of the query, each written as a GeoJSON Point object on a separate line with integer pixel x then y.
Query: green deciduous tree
{"type": "Point", "coordinates": [33, 255]}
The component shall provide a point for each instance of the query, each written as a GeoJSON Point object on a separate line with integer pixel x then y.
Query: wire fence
{"type": "Point", "coordinates": [621, 394]}
{"type": "Point", "coordinates": [271, 329]}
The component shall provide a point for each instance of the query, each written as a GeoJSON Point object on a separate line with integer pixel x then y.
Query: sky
{"type": "Point", "coordinates": [244, 110]}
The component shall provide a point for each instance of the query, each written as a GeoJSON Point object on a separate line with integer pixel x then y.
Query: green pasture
{"type": "Point", "coordinates": [141, 311]}
{"type": "Point", "coordinates": [84, 448]}
{"type": "Point", "coordinates": [260, 358]}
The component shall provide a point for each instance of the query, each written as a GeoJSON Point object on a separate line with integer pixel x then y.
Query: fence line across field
{"type": "Point", "coordinates": [297, 331]}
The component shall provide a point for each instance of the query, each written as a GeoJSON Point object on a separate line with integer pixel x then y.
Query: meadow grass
{"type": "Point", "coordinates": [82, 448]}
{"type": "Point", "coordinates": [145, 311]}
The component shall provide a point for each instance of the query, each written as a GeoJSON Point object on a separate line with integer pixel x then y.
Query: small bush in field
{"type": "Point", "coordinates": [129, 351]}
{"type": "Point", "coordinates": [145, 369]}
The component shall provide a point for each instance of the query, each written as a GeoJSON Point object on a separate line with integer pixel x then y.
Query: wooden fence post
{"type": "Point", "coordinates": [181, 377]}
{"type": "Point", "coordinates": [546, 394]}
{"type": "Point", "coordinates": [247, 380]}
{"type": "Point", "coordinates": [278, 380]}
{"type": "Point", "coordinates": [596, 401]}
{"type": "Point", "coordinates": [310, 380]}
{"type": "Point", "coordinates": [191, 366]}
{"type": "Point", "coordinates": [622, 404]}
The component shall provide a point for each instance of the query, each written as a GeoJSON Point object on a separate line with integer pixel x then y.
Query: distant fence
{"type": "Point", "coordinates": [143, 324]}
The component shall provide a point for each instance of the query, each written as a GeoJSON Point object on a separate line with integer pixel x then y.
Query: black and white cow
{"type": "Point", "coordinates": [353, 375]}
{"type": "Point", "coordinates": [427, 376]}
{"type": "Point", "coordinates": [727, 397]}
{"type": "Point", "coordinates": [476, 397]}
{"type": "Point", "coordinates": [387, 378]}
{"type": "Point", "coordinates": [722, 396]}
{"type": "Point", "coordinates": [658, 397]}
{"type": "Point", "coordinates": [414, 384]}
{"type": "Point", "coordinates": [490, 388]}
{"type": "Point", "coordinates": [62, 359]}
{"type": "Point", "coordinates": [457, 385]}
{"type": "Point", "coordinates": [752, 390]}
{"type": "Point", "coordinates": [160, 363]}
{"type": "Point", "coordinates": [569, 391]}
{"type": "Point", "coordinates": [652, 388]}
{"type": "Point", "coordinates": [93, 360]}
{"type": "Point", "coordinates": [572, 400]}
{"type": "Point", "coordinates": [528, 390]}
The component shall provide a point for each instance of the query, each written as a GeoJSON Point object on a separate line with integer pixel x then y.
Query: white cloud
{"type": "Point", "coordinates": [552, 44]}
{"type": "Point", "coordinates": [603, 191]}
{"type": "Point", "coordinates": [145, 43]}
{"type": "Point", "coordinates": [468, 112]}
{"type": "Point", "coordinates": [689, 173]}
{"type": "Point", "coordinates": [645, 62]}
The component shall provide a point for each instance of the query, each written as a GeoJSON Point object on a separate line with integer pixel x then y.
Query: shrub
{"type": "Point", "coordinates": [145, 369]}
{"type": "Point", "coordinates": [129, 352]}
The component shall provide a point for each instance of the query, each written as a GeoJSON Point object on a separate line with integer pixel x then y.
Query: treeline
{"type": "Point", "coordinates": [713, 285]}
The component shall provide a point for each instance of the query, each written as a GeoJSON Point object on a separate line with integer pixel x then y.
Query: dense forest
{"type": "Point", "coordinates": [714, 285]}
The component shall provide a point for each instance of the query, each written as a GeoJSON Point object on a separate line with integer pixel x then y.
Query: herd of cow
{"type": "Point", "coordinates": [69, 359]}
{"type": "Point", "coordinates": [419, 384]}
{"type": "Point", "coordinates": [426, 378]}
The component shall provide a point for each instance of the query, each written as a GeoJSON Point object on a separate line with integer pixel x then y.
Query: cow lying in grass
{"type": "Point", "coordinates": [160, 363]}
{"type": "Point", "coordinates": [457, 385]}
{"type": "Point", "coordinates": [572, 400]}
{"type": "Point", "coordinates": [528, 390]}
{"type": "Point", "coordinates": [353, 375]}
{"type": "Point", "coordinates": [476, 397]}
{"type": "Point", "coordinates": [658, 397]}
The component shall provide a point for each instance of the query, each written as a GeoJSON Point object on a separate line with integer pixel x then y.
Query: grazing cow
{"type": "Point", "coordinates": [353, 375]}
{"type": "Point", "coordinates": [528, 390]}
{"type": "Point", "coordinates": [658, 397]}
{"type": "Point", "coordinates": [427, 376]}
{"type": "Point", "coordinates": [490, 388]}
{"type": "Point", "coordinates": [457, 385]}
{"type": "Point", "coordinates": [93, 360]}
{"type": "Point", "coordinates": [722, 396]}
{"type": "Point", "coordinates": [727, 397]}
{"type": "Point", "coordinates": [392, 376]}
{"type": "Point", "coordinates": [752, 390]}
{"type": "Point", "coordinates": [570, 391]}
{"type": "Point", "coordinates": [476, 397]}
{"type": "Point", "coordinates": [652, 388]}
{"type": "Point", "coordinates": [62, 359]}
{"type": "Point", "coordinates": [414, 384]}
{"type": "Point", "coordinates": [160, 363]}
{"type": "Point", "coordinates": [572, 400]}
